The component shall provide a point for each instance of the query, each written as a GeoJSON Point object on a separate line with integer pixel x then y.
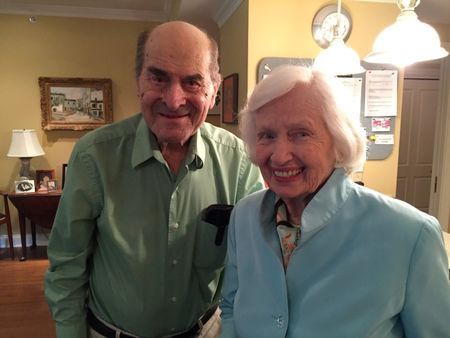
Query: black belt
{"type": "Point", "coordinates": [108, 332]}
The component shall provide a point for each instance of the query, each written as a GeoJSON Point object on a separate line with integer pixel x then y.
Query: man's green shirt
{"type": "Point", "coordinates": [128, 239]}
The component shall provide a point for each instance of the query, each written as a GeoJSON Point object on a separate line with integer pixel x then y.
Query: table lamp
{"type": "Point", "coordinates": [25, 145]}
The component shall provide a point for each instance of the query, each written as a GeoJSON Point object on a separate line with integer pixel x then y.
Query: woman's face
{"type": "Point", "coordinates": [294, 149]}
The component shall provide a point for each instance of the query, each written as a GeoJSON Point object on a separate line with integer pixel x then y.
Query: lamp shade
{"type": "Point", "coordinates": [24, 143]}
{"type": "Point", "coordinates": [407, 41]}
{"type": "Point", "coordinates": [338, 59]}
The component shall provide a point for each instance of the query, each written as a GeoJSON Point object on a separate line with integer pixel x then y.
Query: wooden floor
{"type": "Point", "coordinates": [23, 309]}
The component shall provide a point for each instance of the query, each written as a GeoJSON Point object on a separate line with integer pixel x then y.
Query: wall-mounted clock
{"type": "Point", "coordinates": [324, 22]}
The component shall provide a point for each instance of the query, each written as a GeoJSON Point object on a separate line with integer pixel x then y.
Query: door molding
{"type": "Point", "coordinates": [440, 199]}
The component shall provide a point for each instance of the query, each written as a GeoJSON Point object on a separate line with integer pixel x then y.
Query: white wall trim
{"type": "Point", "coordinates": [86, 12]}
{"type": "Point", "coordinates": [440, 201]}
{"type": "Point", "coordinates": [227, 8]}
{"type": "Point", "coordinates": [41, 240]}
{"type": "Point", "coordinates": [425, 70]}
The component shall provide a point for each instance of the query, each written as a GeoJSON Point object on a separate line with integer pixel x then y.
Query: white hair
{"type": "Point", "coordinates": [349, 143]}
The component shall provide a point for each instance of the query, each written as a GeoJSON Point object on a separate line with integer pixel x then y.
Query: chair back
{"type": "Point", "coordinates": [5, 218]}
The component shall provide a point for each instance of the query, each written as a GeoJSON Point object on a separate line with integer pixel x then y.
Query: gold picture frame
{"type": "Point", "coordinates": [75, 103]}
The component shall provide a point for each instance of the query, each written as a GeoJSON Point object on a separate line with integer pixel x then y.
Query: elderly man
{"type": "Point", "coordinates": [136, 249]}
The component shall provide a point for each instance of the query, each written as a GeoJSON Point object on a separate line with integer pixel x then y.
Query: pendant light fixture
{"type": "Point", "coordinates": [338, 59]}
{"type": "Point", "coordinates": [407, 41]}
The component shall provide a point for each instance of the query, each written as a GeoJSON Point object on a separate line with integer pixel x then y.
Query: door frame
{"type": "Point", "coordinates": [440, 199]}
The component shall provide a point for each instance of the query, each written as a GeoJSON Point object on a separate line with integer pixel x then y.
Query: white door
{"type": "Point", "coordinates": [420, 102]}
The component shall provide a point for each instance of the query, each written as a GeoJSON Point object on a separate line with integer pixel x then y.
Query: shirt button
{"type": "Point", "coordinates": [173, 299]}
{"type": "Point", "coordinates": [280, 322]}
{"type": "Point", "coordinates": [174, 262]}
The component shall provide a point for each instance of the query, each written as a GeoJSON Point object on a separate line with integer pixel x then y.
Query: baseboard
{"type": "Point", "coordinates": [41, 240]}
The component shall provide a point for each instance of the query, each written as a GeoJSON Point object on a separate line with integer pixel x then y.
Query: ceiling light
{"type": "Point", "coordinates": [407, 41]}
{"type": "Point", "coordinates": [338, 59]}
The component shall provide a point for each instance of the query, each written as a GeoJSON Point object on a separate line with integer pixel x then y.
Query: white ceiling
{"type": "Point", "coordinates": [146, 10]}
{"type": "Point", "coordinates": [208, 14]}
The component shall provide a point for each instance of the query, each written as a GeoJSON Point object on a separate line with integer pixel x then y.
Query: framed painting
{"type": "Point", "coordinates": [230, 98]}
{"type": "Point", "coordinates": [75, 103]}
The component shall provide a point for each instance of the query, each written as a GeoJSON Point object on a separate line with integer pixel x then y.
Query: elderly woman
{"type": "Point", "coordinates": [317, 255]}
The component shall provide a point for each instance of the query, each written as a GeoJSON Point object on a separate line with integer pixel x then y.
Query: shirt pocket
{"type": "Point", "coordinates": [209, 260]}
{"type": "Point", "coordinates": [210, 246]}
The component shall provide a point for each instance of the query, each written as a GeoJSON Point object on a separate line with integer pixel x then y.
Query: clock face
{"type": "Point", "coordinates": [324, 25]}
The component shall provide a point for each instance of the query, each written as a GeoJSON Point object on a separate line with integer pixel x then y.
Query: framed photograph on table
{"type": "Point", "coordinates": [230, 98]}
{"type": "Point", "coordinates": [52, 185]}
{"type": "Point", "coordinates": [75, 103]}
{"type": "Point", "coordinates": [42, 177]}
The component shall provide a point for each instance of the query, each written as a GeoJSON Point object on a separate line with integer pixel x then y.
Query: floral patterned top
{"type": "Point", "coordinates": [288, 233]}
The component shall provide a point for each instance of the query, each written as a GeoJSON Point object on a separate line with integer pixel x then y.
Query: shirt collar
{"type": "Point", "coordinates": [144, 144]}
{"type": "Point", "coordinates": [145, 147]}
{"type": "Point", "coordinates": [319, 211]}
{"type": "Point", "coordinates": [197, 149]}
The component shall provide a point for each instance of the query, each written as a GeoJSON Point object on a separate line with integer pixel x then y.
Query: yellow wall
{"type": "Point", "coordinates": [234, 52]}
{"type": "Point", "coordinates": [71, 47]}
{"type": "Point", "coordinates": [284, 30]}
{"type": "Point", "coordinates": [59, 47]}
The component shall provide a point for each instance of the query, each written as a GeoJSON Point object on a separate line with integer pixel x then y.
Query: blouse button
{"type": "Point", "coordinates": [279, 321]}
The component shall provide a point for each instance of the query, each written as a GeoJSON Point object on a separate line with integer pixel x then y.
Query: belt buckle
{"type": "Point", "coordinates": [200, 324]}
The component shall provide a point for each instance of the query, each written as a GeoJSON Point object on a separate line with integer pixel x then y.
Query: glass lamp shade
{"type": "Point", "coordinates": [407, 41]}
{"type": "Point", "coordinates": [338, 59]}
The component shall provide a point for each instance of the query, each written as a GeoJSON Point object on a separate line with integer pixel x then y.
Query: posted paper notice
{"type": "Point", "coordinates": [381, 93]}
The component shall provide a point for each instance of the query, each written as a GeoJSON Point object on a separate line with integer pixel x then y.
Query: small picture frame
{"type": "Point", "coordinates": [42, 177]}
{"type": "Point", "coordinates": [24, 186]}
{"type": "Point", "coordinates": [64, 173]}
{"type": "Point", "coordinates": [52, 185]}
{"type": "Point", "coordinates": [230, 99]}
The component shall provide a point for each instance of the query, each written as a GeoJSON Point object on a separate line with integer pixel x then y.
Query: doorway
{"type": "Point", "coordinates": [439, 188]}
{"type": "Point", "coordinates": [418, 121]}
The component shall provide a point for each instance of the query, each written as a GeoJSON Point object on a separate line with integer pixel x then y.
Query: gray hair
{"type": "Point", "coordinates": [348, 140]}
{"type": "Point", "coordinates": [213, 54]}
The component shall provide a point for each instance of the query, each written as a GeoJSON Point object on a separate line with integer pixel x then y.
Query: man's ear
{"type": "Point", "coordinates": [138, 89]}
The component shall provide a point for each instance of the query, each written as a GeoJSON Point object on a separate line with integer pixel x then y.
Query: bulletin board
{"type": "Point", "coordinates": [378, 108]}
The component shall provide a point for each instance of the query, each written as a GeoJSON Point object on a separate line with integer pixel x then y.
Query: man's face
{"type": "Point", "coordinates": [175, 87]}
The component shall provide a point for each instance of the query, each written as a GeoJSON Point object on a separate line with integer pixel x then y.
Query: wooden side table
{"type": "Point", "coordinates": [39, 208]}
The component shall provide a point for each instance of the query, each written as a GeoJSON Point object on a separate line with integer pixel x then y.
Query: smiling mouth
{"type": "Point", "coordinates": [287, 173]}
{"type": "Point", "coordinates": [173, 116]}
